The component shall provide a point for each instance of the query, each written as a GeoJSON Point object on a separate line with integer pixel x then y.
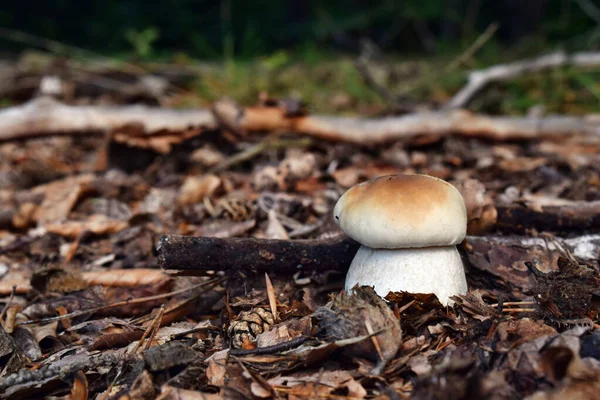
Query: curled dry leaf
{"type": "Point", "coordinates": [344, 317]}
{"type": "Point", "coordinates": [79, 391]}
{"type": "Point", "coordinates": [284, 332]}
{"type": "Point", "coordinates": [217, 368]}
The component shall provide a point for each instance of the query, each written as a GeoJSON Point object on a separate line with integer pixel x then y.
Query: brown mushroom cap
{"type": "Point", "coordinates": [403, 211]}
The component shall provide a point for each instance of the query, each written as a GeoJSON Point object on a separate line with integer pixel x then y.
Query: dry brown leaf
{"type": "Point", "coordinates": [161, 141]}
{"type": "Point", "coordinates": [125, 277]}
{"type": "Point", "coordinates": [41, 332]}
{"type": "Point", "coordinates": [525, 330]}
{"type": "Point", "coordinates": [79, 391]}
{"type": "Point", "coordinates": [217, 368]}
{"type": "Point", "coordinates": [98, 224]}
{"type": "Point", "coordinates": [60, 197]}
{"type": "Point", "coordinates": [25, 216]}
{"type": "Point", "coordinates": [522, 164]}
{"type": "Point", "coordinates": [173, 393]}
{"type": "Point", "coordinates": [16, 280]}
{"type": "Point", "coordinates": [276, 335]}
{"type": "Point", "coordinates": [196, 188]}
{"type": "Point", "coordinates": [319, 384]}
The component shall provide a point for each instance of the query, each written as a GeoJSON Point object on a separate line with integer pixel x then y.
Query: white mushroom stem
{"type": "Point", "coordinates": [437, 270]}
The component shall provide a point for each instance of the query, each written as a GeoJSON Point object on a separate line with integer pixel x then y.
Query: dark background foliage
{"type": "Point", "coordinates": [213, 29]}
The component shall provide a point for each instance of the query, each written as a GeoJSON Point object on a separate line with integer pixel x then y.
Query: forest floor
{"type": "Point", "coordinates": [100, 299]}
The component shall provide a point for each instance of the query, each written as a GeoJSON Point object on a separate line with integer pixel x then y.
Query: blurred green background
{"type": "Point", "coordinates": [213, 29]}
{"type": "Point", "coordinates": [309, 49]}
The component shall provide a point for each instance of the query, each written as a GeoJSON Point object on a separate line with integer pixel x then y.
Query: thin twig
{"type": "Point", "coordinates": [514, 303]}
{"type": "Point", "coordinates": [267, 144]}
{"type": "Point", "coordinates": [150, 328]}
{"type": "Point", "coordinates": [7, 305]}
{"type": "Point", "coordinates": [590, 9]}
{"type": "Point", "coordinates": [454, 64]}
{"type": "Point", "coordinates": [112, 305]}
{"type": "Point", "coordinates": [374, 339]}
{"type": "Point", "coordinates": [106, 394]}
{"type": "Point", "coordinates": [518, 310]}
{"type": "Point", "coordinates": [145, 318]}
{"type": "Point", "coordinates": [474, 48]}
{"type": "Point", "coordinates": [271, 296]}
{"type": "Point", "coordinates": [480, 78]}
{"type": "Point", "coordinates": [156, 326]}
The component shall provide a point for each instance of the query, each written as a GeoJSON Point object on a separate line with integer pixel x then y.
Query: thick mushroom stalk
{"type": "Point", "coordinates": [437, 270]}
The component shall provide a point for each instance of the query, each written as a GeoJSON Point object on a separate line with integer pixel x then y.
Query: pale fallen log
{"type": "Point", "coordinates": [381, 130]}
{"type": "Point", "coordinates": [47, 117]}
{"type": "Point", "coordinates": [477, 80]}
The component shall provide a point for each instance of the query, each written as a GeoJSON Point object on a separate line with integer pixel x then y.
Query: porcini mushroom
{"type": "Point", "coordinates": [408, 226]}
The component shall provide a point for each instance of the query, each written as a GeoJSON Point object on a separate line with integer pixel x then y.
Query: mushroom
{"type": "Point", "coordinates": [408, 227]}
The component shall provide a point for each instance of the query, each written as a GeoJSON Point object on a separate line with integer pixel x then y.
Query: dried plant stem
{"type": "Point", "coordinates": [117, 304]}
{"type": "Point", "coordinates": [514, 303]}
{"type": "Point", "coordinates": [268, 144]}
{"type": "Point", "coordinates": [151, 328]}
{"type": "Point", "coordinates": [518, 310]}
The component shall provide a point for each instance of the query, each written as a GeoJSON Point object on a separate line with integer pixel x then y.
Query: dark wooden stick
{"type": "Point", "coordinates": [501, 256]}
{"type": "Point", "coordinates": [255, 255]}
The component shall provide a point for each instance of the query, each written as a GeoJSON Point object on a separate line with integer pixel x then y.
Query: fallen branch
{"type": "Point", "coordinates": [479, 79]}
{"type": "Point", "coordinates": [235, 255]}
{"type": "Point", "coordinates": [380, 130]}
{"type": "Point", "coordinates": [44, 117]}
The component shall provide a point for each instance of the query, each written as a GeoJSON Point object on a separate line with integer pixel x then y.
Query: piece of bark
{"type": "Point", "coordinates": [573, 216]}
{"type": "Point", "coordinates": [43, 116]}
{"type": "Point", "coordinates": [231, 255]}
{"type": "Point", "coordinates": [502, 72]}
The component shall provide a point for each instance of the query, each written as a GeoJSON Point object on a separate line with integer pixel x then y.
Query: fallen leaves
{"type": "Point", "coordinates": [118, 325]}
